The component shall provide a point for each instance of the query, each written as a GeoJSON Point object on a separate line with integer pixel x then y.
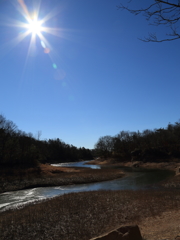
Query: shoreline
{"type": "Point", "coordinates": [171, 183]}
{"type": "Point", "coordinates": [169, 165]}
{"type": "Point", "coordinates": [47, 175]}
{"type": "Point", "coordinates": [101, 211]}
{"type": "Point", "coordinates": [57, 176]}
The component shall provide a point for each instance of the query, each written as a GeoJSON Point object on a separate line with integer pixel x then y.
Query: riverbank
{"type": "Point", "coordinates": [172, 183]}
{"type": "Point", "coordinates": [89, 214]}
{"type": "Point", "coordinates": [169, 165]}
{"type": "Point", "coordinates": [46, 175]}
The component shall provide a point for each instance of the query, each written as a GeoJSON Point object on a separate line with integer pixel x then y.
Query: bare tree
{"type": "Point", "coordinates": [159, 13]}
{"type": "Point", "coordinates": [105, 145]}
{"type": "Point", "coordinates": [7, 125]}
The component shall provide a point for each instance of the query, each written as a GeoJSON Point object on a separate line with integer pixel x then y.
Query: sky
{"type": "Point", "coordinates": [84, 73]}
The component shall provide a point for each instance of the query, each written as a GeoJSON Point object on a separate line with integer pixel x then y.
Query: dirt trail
{"type": "Point", "coordinates": [163, 227]}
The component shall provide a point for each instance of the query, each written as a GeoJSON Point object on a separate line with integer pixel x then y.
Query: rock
{"type": "Point", "coordinates": [110, 236]}
{"type": "Point", "coordinates": [130, 233]}
{"type": "Point", "coordinates": [122, 233]}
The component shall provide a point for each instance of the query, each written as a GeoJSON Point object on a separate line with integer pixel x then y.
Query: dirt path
{"type": "Point", "coordinates": [166, 226]}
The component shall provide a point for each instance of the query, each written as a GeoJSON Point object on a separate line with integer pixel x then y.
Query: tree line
{"type": "Point", "coordinates": [20, 149]}
{"type": "Point", "coordinates": [162, 143]}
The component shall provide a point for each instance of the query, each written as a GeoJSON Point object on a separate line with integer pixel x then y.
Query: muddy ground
{"type": "Point", "coordinates": [89, 214]}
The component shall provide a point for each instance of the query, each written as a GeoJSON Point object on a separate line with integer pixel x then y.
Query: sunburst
{"type": "Point", "coordinates": [33, 26]}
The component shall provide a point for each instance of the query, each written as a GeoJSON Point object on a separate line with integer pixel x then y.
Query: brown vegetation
{"type": "Point", "coordinates": [47, 175]}
{"type": "Point", "coordinates": [88, 214]}
{"type": "Point", "coordinates": [170, 165]}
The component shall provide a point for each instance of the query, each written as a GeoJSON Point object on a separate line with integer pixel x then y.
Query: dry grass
{"type": "Point", "coordinates": [172, 164]}
{"type": "Point", "coordinates": [47, 175]}
{"type": "Point", "coordinates": [85, 215]}
{"type": "Point", "coordinates": [80, 215]}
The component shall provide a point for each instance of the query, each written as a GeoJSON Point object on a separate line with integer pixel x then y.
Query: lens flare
{"type": "Point", "coordinates": [54, 66]}
{"type": "Point", "coordinates": [46, 50]}
{"type": "Point", "coordinates": [43, 44]}
{"type": "Point", "coordinates": [34, 28]}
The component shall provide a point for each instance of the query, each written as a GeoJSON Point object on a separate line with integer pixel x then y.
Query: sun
{"type": "Point", "coordinates": [34, 26]}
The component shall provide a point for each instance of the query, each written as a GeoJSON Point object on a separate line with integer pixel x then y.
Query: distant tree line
{"type": "Point", "coordinates": [20, 149]}
{"type": "Point", "coordinates": [149, 145]}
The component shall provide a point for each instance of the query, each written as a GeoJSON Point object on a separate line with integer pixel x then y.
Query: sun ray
{"type": "Point", "coordinates": [37, 6]}
{"type": "Point", "coordinates": [9, 22]}
{"type": "Point", "coordinates": [52, 31]}
{"type": "Point", "coordinates": [32, 41]}
{"type": "Point", "coordinates": [50, 15]}
{"type": "Point", "coordinates": [34, 27]}
{"type": "Point", "coordinates": [22, 8]}
{"type": "Point", "coordinates": [45, 41]}
{"type": "Point", "coordinates": [13, 43]}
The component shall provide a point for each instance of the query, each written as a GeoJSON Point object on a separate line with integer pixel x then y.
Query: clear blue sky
{"type": "Point", "coordinates": [104, 80]}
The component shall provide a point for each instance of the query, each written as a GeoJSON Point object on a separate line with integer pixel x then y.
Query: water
{"type": "Point", "coordinates": [135, 179]}
{"type": "Point", "coordinates": [77, 164]}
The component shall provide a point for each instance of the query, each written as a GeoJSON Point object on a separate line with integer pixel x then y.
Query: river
{"type": "Point", "coordinates": [135, 179]}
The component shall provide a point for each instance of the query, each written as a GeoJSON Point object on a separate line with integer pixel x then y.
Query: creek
{"type": "Point", "coordinates": [135, 179]}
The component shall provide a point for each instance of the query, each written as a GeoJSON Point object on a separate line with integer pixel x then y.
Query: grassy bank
{"type": "Point", "coordinates": [170, 165]}
{"type": "Point", "coordinates": [85, 215]}
{"type": "Point", "coordinates": [47, 175]}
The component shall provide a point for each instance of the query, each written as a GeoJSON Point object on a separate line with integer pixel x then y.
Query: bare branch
{"type": "Point", "coordinates": [168, 3]}
{"type": "Point", "coordinates": [160, 12]}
